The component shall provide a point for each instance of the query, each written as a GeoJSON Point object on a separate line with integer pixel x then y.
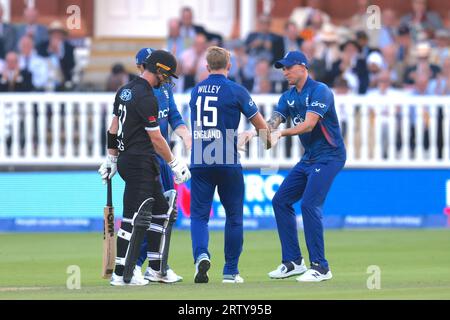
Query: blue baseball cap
{"type": "Point", "coordinates": [292, 58]}
{"type": "Point", "coordinates": [142, 55]}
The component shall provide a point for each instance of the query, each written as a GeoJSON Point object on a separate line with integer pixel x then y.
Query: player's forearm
{"type": "Point", "coordinates": [298, 129]}
{"type": "Point", "coordinates": [183, 132]}
{"type": "Point", "coordinates": [274, 121]}
{"type": "Point", "coordinates": [114, 127]}
{"type": "Point", "coordinates": [308, 125]}
{"type": "Point", "coordinates": [162, 148]}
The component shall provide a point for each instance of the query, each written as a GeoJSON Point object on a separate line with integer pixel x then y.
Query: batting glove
{"type": "Point", "coordinates": [275, 137]}
{"type": "Point", "coordinates": [109, 163]}
{"type": "Point", "coordinates": [180, 171]}
{"type": "Point", "coordinates": [244, 138]}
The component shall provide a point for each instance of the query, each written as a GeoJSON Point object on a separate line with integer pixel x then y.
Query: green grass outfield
{"type": "Point", "coordinates": [415, 264]}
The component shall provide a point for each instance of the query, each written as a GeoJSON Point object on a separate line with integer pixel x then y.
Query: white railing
{"type": "Point", "coordinates": [69, 129]}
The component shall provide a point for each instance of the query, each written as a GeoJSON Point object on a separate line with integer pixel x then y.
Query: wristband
{"type": "Point", "coordinates": [112, 140]}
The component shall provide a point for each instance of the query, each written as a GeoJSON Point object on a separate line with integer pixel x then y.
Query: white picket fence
{"type": "Point", "coordinates": [68, 129]}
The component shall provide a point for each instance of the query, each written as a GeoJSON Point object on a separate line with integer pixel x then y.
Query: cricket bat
{"type": "Point", "coordinates": [109, 243]}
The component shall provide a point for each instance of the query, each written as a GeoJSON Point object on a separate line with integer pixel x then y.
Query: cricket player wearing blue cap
{"type": "Point", "coordinates": [168, 116]}
{"type": "Point", "coordinates": [310, 106]}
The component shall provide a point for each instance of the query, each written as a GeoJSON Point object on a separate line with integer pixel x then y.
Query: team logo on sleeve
{"type": "Point", "coordinates": [251, 103]}
{"type": "Point", "coordinates": [166, 93]}
{"type": "Point", "coordinates": [126, 95]}
{"type": "Point", "coordinates": [151, 119]}
{"type": "Point", "coordinates": [318, 104]}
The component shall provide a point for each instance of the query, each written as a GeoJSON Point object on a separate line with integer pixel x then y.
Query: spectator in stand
{"type": "Point", "coordinates": [30, 61]}
{"type": "Point", "coordinates": [193, 61]}
{"type": "Point", "coordinates": [301, 15]}
{"type": "Point", "coordinates": [265, 86]}
{"type": "Point", "coordinates": [359, 22]}
{"type": "Point", "coordinates": [118, 77]}
{"type": "Point", "coordinates": [422, 64]}
{"type": "Point", "coordinates": [262, 73]}
{"type": "Point", "coordinates": [421, 82]}
{"type": "Point", "coordinates": [14, 79]}
{"type": "Point", "coordinates": [352, 67]}
{"type": "Point", "coordinates": [61, 55]}
{"type": "Point", "coordinates": [405, 53]}
{"type": "Point", "coordinates": [442, 46]}
{"type": "Point", "coordinates": [316, 67]}
{"type": "Point", "coordinates": [8, 37]}
{"type": "Point", "coordinates": [240, 71]}
{"type": "Point", "coordinates": [292, 40]}
{"type": "Point", "coordinates": [313, 26]}
{"type": "Point", "coordinates": [31, 27]}
{"type": "Point", "coordinates": [326, 54]}
{"type": "Point", "coordinates": [175, 42]}
{"type": "Point", "coordinates": [441, 85]}
{"type": "Point", "coordinates": [309, 49]}
{"type": "Point", "coordinates": [363, 41]}
{"type": "Point", "coordinates": [421, 21]}
{"type": "Point", "coordinates": [188, 30]}
{"type": "Point", "coordinates": [264, 44]}
{"type": "Point", "coordinates": [375, 65]}
{"type": "Point", "coordinates": [396, 67]}
{"type": "Point", "coordinates": [388, 28]}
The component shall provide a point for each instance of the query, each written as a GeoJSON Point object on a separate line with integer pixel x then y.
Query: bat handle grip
{"type": "Point", "coordinates": [109, 192]}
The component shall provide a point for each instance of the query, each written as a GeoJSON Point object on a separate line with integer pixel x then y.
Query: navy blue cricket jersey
{"type": "Point", "coordinates": [168, 113]}
{"type": "Point", "coordinates": [325, 141]}
{"type": "Point", "coordinates": [216, 105]}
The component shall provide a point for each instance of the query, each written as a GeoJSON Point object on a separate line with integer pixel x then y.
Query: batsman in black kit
{"type": "Point", "coordinates": [133, 139]}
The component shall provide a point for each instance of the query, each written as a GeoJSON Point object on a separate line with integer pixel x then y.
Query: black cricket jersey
{"type": "Point", "coordinates": [137, 109]}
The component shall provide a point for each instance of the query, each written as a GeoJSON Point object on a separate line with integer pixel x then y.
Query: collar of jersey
{"type": "Point", "coordinates": [144, 81]}
{"type": "Point", "coordinates": [215, 75]}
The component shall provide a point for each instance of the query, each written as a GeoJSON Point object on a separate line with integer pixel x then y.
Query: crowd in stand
{"type": "Point", "coordinates": [405, 55]}
{"type": "Point", "coordinates": [35, 57]}
{"type": "Point", "coordinates": [409, 52]}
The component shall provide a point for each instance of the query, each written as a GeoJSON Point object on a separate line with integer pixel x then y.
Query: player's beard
{"type": "Point", "coordinates": [293, 82]}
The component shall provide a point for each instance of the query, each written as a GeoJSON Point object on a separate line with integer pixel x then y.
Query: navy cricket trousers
{"type": "Point", "coordinates": [230, 187]}
{"type": "Point", "coordinates": [311, 183]}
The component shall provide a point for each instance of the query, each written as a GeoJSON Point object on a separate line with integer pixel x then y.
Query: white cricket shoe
{"type": "Point", "coordinates": [156, 276]}
{"type": "Point", "coordinates": [202, 266]}
{"type": "Point", "coordinates": [288, 269]}
{"type": "Point", "coordinates": [232, 278]}
{"type": "Point", "coordinates": [315, 274]}
{"type": "Point", "coordinates": [135, 281]}
{"type": "Point", "coordinates": [137, 274]}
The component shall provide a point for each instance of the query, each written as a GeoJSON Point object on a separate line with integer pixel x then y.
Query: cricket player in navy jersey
{"type": "Point", "coordinates": [216, 105]}
{"type": "Point", "coordinates": [310, 106]}
{"type": "Point", "coordinates": [168, 115]}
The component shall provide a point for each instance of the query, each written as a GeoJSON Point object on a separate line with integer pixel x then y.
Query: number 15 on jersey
{"type": "Point", "coordinates": [209, 112]}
